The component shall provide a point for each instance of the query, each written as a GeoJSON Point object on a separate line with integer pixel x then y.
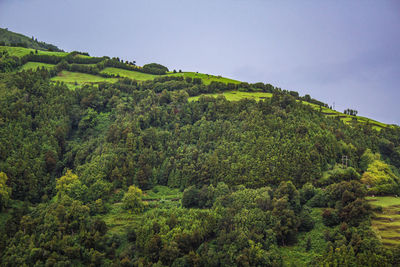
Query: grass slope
{"type": "Point", "coordinates": [74, 79]}
{"type": "Point", "coordinates": [21, 51]}
{"type": "Point", "coordinates": [135, 75]}
{"type": "Point", "coordinates": [35, 65]}
{"type": "Point", "coordinates": [236, 95]}
{"type": "Point", "coordinates": [207, 78]}
{"type": "Point", "coordinates": [387, 223]}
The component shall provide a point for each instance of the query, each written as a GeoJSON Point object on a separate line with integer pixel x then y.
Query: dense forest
{"type": "Point", "coordinates": [133, 174]}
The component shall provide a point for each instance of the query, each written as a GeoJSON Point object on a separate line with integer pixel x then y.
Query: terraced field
{"type": "Point", "coordinates": [387, 223]}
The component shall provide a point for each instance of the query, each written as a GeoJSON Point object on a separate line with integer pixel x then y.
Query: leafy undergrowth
{"type": "Point", "coordinates": [387, 222]}
{"type": "Point", "coordinates": [297, 255]}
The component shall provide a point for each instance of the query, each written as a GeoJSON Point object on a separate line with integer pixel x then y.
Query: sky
{"type": "Point", "coordinates": [344, 53]}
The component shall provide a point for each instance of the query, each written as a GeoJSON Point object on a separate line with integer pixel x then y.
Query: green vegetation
{"type": "Point", "coordinates": [185, 169]}
{"type": "Point", "coordinates": [303, 254]}
{"type": "Point", "coordinates": [238, 95]}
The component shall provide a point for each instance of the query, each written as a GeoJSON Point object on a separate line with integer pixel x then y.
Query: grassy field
{"type": "Point", "coordinates": [387, 223]}
{"type": "Point", "coordinates": [297, 255]}
{"type": "Point", "coordinates": [21, 51]}
{"type": "Point", "coordinates": [135, 75]}
{"type": "Point", "coordinates": [73, 79]}
{"type": "Point", "coordinates": [236, 95]}
{"type": "Point", "coordinates": [207, 78]}
{"type": "Point", "coordinates": [35, 65]}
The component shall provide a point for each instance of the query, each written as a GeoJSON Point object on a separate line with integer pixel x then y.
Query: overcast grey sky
{"type": "Point", "coordinates": [347, 52]}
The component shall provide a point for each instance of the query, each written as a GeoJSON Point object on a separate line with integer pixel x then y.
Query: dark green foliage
{"type": "Point", "coordinates": [249, 171]}
{"type": "Point", "coordinates": [154, 68]}
{"type": "Point", "coordinates": [10, 38]}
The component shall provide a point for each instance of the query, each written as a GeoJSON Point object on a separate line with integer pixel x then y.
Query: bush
{"type": "Point", "coordinates": [330, 217]}
{"type": "Point", "coordinates": [154, 68]}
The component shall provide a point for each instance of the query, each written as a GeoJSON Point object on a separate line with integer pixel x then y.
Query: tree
{"type": "Point", "coordinates": [132, 200]}
{"type": "Point", "coordinates": [5, 191]}
{"type": "Point", "coordinates": [70, 185]}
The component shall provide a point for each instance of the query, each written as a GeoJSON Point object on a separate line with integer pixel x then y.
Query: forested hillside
{"type": "Point", "coordinates": [10, 38]}
{"type": "Point", "coordinates": [126, 172]}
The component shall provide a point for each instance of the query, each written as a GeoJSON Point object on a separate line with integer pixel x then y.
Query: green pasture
{"type": "Point", "coordinates": [236, 95]}
{"type": "Point", "coordinates": [35, 65]}
{"type": "Point", "coordinates": [387, 223]}
{"type": "Point", "coordinates": [207, 78]}
{"type": "Point", "coordinates": [22, 51]}
{"type": "Point", "coordinates": [135, 75]}
{"type": "Point", "coordinates": [73, 79]}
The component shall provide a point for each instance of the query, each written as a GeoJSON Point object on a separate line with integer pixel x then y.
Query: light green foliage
{"type": "Point", "coordinates": [339, 174]}
{"type": "Point", "coordinates": [133, 200]}
{"type": "Point", "coordinates": [380, 178]}
{"type": "Point", "coordinates": [367, 158]}
{"type": "Point", "coordinates": [70, 185]}
{"type": "Point", "coordinates": [5, 191]}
